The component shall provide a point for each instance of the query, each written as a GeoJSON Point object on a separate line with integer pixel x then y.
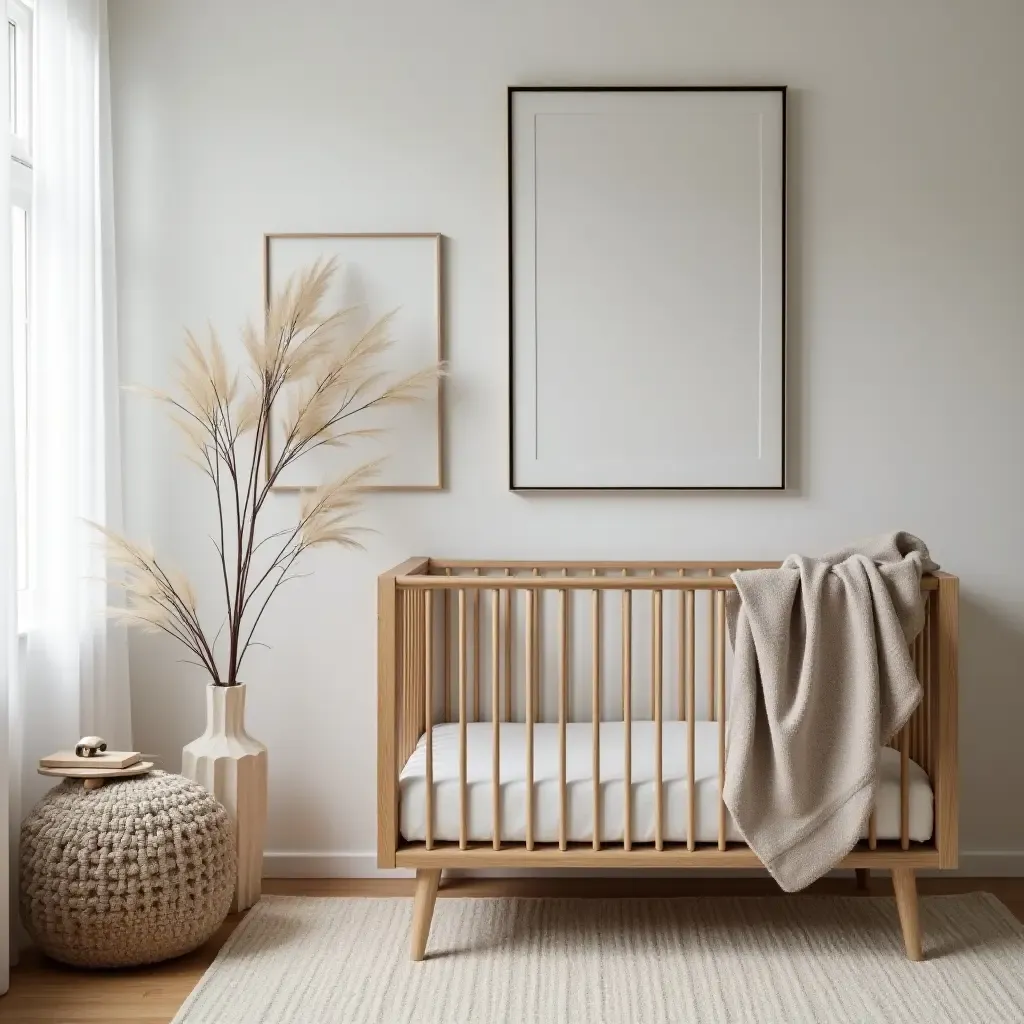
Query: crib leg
{"type": "Point", "coordinates": [427, 880]}
{"type": "Point", "coordinates": [905, 885]}
{"type": "Point", "coordinates": [863, 878]}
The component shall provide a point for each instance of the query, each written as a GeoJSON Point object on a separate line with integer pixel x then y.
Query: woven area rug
{"type": "Point", "coordinates": [804, 960]}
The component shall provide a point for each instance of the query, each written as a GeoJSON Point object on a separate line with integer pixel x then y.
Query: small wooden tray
{"type": "Point", "coordinates": [98, 773]}
{"type": "Point", "coordinates": [108, 759]}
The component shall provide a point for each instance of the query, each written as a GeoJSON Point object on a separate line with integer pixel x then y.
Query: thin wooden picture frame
{"type": "Point", "coordinates": [778, 397]}
{"type": "Point", "coordinates": [439, 322]}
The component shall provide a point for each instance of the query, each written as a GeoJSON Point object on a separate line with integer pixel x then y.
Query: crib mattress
{"type": "Point", "coordinates": [579, 785]}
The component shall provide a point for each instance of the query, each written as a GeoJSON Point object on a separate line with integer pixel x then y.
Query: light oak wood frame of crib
{"type": "Point", "coordinates": [416, 597]}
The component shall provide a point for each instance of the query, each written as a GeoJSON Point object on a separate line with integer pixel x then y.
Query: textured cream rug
{"type": "Point", "coordinates": [804, 960]}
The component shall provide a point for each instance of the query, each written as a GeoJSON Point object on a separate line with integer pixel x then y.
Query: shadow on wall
{"type": "Point", "coordinates": [991, 677]}
{"type": "Point", "coordinates": [796, 401]}
{"type": "Point", "coordinates": [168, 704]}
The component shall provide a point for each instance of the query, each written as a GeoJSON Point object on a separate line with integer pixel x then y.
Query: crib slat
{"type": "Point", "coordinates": [873, 830]}
{"type": "Point", "coordinates": [711, 652]}
{"type": "Point", "coordinates": [625, 573]}
{"type": "Point", "coordinates": [920, 751]}
{"type": "Point", "coordinates": [477, 601]}
{"type": "Point", "coordinates": [570, 599]}
{"type": "Point", "coordinates": [447, 625]}
{"type": "Point", "coordinates": [428, 695]}
{"type": "Point", "coordinates": [563, 674]}
{"type": "Point", "coordinates": [691, 716]}
{"type": "Point", "coordinates": [411, 720]}
{"type": "Point", "coordinates": [656, 630]}
{"type": "Point", "coordinates": [926, 696]}
{"type": "Point", "coordinates": [595, 715]}
{"type": "Point", "coordinates": [914, 650]}
{"type": "Point", "coordinates": [413, 668]}
{"type": "Point", "coordinates": [508, 595]}
{"type": "Point", "coordinates": [905, 788]}
{"type": "Point", "coordinates": [537, 625]}
{"type": "Point", "coordinates": [921, 715]}
{"type": "Point", "coordinates": [401, 672]}
{"type": "Point", "coordinates": [463, 830]}
{"type": "Point", "coordinates": [654, 573]}
{"type": "Point", "coordinates": [720, 670]}
{"type": "Point", "coordinates": [928, 765]}
{"type": "Point", "coordinates": [627, 718]}
{"type": "Point", "coordinates": [407, 671]}
{"type": "Point", "coordinates": [531, 624]}
{"type": "Point", "coordinates": [495, 727]}
{"type": "Point", "coordinates": [682, 653]}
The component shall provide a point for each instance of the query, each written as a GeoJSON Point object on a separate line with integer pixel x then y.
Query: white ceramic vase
{"type": "Point", "coordinates": [232, 766]}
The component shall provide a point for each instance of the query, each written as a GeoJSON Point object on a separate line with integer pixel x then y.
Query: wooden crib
{"type": "Point", "coordinates": [492, 673]}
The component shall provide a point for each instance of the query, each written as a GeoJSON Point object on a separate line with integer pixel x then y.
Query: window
{"type": "Point", "coordinates": [19, 46]}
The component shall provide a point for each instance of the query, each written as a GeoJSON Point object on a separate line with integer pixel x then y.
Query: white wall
{"type": "Point", "coordinates": [906, 305]}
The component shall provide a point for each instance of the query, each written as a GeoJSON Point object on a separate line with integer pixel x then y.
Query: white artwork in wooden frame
{"type": "Point", "coordinates": [647, 276]}
{"type": "Point", "coordinates": [377, 273]}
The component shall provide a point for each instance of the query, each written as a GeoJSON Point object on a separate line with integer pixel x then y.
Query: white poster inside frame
{"type": "Point", "coordinates": [647, 267]}
{"type": "Point", "coordinates": [377, 274]}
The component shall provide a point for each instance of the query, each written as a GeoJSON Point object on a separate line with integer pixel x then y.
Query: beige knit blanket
{"type": "Point", "coordinates": [822, 677]}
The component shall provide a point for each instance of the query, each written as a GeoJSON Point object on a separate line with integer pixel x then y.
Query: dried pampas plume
{"type": "Point", "coordinates": [307, 378]}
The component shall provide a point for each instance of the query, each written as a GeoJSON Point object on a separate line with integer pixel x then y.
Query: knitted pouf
{"type": "Point", "coordinates": [139, 870]}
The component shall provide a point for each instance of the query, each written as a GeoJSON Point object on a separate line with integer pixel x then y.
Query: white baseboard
{"type": "Point", "coordinates": [300, 864]}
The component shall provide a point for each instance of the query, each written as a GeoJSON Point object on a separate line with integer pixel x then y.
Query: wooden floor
{"type": "Point", "coordinates": [42, 990]}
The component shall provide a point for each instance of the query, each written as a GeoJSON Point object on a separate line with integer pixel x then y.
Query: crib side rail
{"type": "Point", "coordinates": [943, 654]}
{"type": "Point", "coordinates": [712, 581]}
{"type": "Point", "coordinates": [395, 661]}
{"type": "Point", "coordinates": [464, 566]}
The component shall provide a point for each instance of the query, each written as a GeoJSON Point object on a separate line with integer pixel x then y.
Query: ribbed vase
{"type": "Point", "coordinates": [230, 764]}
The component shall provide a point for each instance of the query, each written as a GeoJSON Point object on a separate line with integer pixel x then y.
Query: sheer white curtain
{"type": "Point", "coordinates": [76, 678]}
{"type": "Point", "coordinates": [8, 540]}
{"type": "Point", "coordinates": [71, 675]}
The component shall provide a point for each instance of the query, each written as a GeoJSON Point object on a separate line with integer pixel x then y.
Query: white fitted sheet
{"type": "Point", "coordinates": [579, 785]}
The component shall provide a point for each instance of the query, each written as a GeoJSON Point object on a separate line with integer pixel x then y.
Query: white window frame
{"type": "Point", "coordinates": [21, 15]}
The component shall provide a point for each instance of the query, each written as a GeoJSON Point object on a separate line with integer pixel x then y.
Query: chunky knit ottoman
{"type": "Point", "coordinates": [139, 870]}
